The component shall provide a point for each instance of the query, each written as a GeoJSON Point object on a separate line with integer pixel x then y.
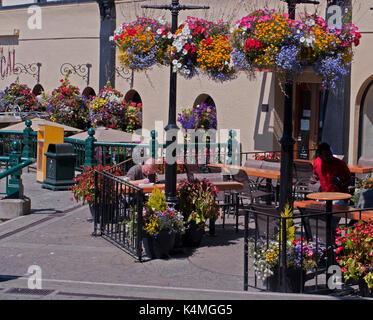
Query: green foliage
{"type": "Point", "coordinates": [157, 201]}
{"type": "Point", "coordinates": [18, 95]}
{"type": "Point", "coordinates": [287, 214]}
{"type": "Point", "coordinates": [355, 250]}
{"type": "Point", "coordinates": [197, 200]}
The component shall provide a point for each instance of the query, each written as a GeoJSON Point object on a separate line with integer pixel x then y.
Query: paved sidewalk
{"type": "Point", "coordinates": [56, 236]}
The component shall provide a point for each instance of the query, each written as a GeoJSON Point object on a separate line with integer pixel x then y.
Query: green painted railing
{"type": "Point", "coordinates": [14, 165]}
{"type": "Point", "coordinates": [91, 152]}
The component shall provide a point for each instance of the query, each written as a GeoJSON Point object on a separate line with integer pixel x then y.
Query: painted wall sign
{"type": "Point", "coordinates": [7, 62]}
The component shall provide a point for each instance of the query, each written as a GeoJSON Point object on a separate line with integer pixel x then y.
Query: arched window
{"type": "Point", "coordinates": [133, 96]}
{"type": "Point", "coordinates": [38, 89]}
{"type": "Point", "coordinates": [366, 124]}
{"type": "Point", "coordinates": [204, 98]}
{"type": "Point", "coordinates": [205, 110]}
{"type": "Point", "coordinates": [134, 112]}
{"type": "Point", "coordinates": [88, 92]}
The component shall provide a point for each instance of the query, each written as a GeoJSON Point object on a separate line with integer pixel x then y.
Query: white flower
{"type": "Point", "coordinates": [186, 30]}
{"type": "Point", "coordinates": [111, 38]}
{"type": "Point", "coordinates": [169, 35]}
{"type": "Point", "coordinates": [185, 51]}
{"type": "Point", "coordinates": [302, 39]}
{"type": "Point", "coordinates": [179, 65]}
{"type": "Point", "coordinates": [174, 62]}
{"type": "Point", "coordinates": [159, 31]}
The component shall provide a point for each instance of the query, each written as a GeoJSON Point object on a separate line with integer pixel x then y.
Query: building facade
{"type": "Point", "coordinates": [69, 34]}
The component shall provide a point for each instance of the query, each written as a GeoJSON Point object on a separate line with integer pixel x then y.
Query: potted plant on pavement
{"type": "Point", "coordinates": [355, 254]}
{"type": "Point", "coordinates": [197, 204]}
{"type": "Point", "coordinates": [363, 196]}
{"type": "Point", "coordinates": [301, 256]}
{"type": "Point", "coordinates": [161, 224]}
{"type": "Point", "coordinates": [84, 189]}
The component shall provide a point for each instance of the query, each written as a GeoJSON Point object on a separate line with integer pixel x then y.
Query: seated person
{"type": "Point", "coordinates": [143, 173]}
{"type": "Point", "coordinates": [333, 173]}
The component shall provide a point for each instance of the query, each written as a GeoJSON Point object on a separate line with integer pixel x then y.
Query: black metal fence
{"type": "Point", "coordinates": [118, 210]}
{"type": "Point", "coordinates": [294, 254]}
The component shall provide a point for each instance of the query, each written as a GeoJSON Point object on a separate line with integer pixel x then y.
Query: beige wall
{"type": "Point", "coordinates": [362, 71]}
{"type": "Point", "coordinates": [70, 33]}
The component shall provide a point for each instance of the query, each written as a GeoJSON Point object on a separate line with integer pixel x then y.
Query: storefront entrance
{"type": "Point", "coordinates": [307, 122]}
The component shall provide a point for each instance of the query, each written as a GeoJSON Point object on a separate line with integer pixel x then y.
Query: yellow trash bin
{"type": "Point", "coordinates": [46, 135]}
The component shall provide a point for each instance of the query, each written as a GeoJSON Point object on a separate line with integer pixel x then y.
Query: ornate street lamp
{"type": "Point", "coordinates": [287, 141]}
{"type": "Point", "coordinates": [171, 128]}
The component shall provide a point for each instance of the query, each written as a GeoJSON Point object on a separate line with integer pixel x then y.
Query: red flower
{"type": "Point", "coordinates": [252, 44]}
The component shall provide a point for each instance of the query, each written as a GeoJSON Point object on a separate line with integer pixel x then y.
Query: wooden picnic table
{"type": "Point", "coordinates": [353, 168]}
{"type": "Point", "coordinates": [268, 174]}
{"type": "Point", "coordinates": [256, 172]}
{"type": "Point", "coordinates": [360, 169]}
{"type": "Point", "coordinates": [221, 185]}
{"type": "Point", "coordinates": [351, 212]}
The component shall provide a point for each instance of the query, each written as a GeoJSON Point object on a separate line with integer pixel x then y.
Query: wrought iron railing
{"type": "Point", "coordinates": [118, 212]}
{"type": "Point", "coordinates": [265, 236]}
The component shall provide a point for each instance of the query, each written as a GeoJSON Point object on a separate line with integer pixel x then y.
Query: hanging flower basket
{"type": "Point", "coordinates": [263, 40]}
{"type": "Point", "coordinates": [142, 43]}
{"type": "Point", "coordinates": [201, 46]}
{"type": "Point", "coordinates": [266, 39]}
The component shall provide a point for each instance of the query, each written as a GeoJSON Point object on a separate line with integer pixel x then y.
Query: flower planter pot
{"type": "Point", "coordinates": [364, 291]}
{"type": "Point", "coordinates": [193, 235]}
{"type": "Point", "coordinates": [295, 279]}
{"type": "Point", "coordinates": [160, 246]}
{"type": "Point", "coordinates": [92, 211]}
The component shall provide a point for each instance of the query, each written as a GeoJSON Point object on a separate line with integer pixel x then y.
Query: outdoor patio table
{"type": "Point", "coordinates": [221, 185]}
{"type": "Point", "coordinates": [351, 212]}
{"type": "Point", "coordinates": [360, 169]}
{"type": "Point", "coordinates": [329, 197]}
{"type": "Point", "coordinates": [268, 174]}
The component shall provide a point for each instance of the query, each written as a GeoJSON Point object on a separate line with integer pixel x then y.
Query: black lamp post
{"type": "Point", "coordinates": [107, 49]}
{"type": "Point", "coordinates": [171, 128]}
{"type": "Point", "coordinates": [287, 141]}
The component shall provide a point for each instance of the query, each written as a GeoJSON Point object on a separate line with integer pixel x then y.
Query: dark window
{"type": "Point", "coordinates": [89, 92]}
{"type": "Point", "coordinates": [38, 89]}
{"type": "Point", "coordinates": [133, 96]}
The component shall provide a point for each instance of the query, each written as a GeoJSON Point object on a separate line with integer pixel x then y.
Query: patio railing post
{"type": "Point", "coordinates": [90, 159]}
{"type": "Point", "coordinates": [27, 140]}
{"type": "Point", "coordinates": [233, 149]}
{"type": "Point", "coordinates": [139, 205]}
{"type": "Point", "coordinates": [283, 264]}
{"type": "Point", "coordinates": [14, 188]}
{"type": "Point", "coordinates": [154, 145]}
{"type": "Point", "coordinates": [95, 208]}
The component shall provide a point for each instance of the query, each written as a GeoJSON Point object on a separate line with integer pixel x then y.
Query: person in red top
{"type": "Point", "coordinates": [333, 173]}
